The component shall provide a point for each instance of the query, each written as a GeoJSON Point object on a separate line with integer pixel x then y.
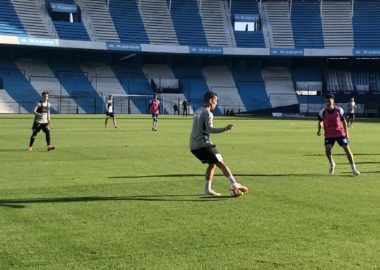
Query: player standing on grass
{"type": "Point", "coordinates": [335, 127]}
{"type": "Point", "coordinates": [110, 112]}
{"type": "Point", "coordinates": [154, 109]}
{"type": "Point", "coordinates": [351, 108]}
{"type": "Point", "coordinates": [41, 121]}
{"type": "Point", "coordinates": [202, 147]}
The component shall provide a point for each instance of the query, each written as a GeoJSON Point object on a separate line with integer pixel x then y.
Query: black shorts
{"type": "Point", "coordinates": [350, 116]}
{"type": "Point", "coordinates": [37, 127]}
{"type": "Point", "coordinates": [341, 141]}
{"type": "Point", "coordinates": [155, 116]}
{"type": "Point", "coordinates": [208, 154]}
{"type": "Point", "coordinates": [108, 114]}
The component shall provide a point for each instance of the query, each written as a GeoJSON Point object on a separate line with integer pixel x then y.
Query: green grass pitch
{"type": "Point", "coordinates": [130, 198]}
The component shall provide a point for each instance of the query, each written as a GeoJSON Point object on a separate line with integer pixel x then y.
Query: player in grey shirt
{"type": "Point", "coordinates": [41, 121]}
{"type": "Point", "coordinates": [202, 147]}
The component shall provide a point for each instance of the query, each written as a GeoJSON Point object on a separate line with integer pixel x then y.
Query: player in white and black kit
{"type": "Point", "coordinates": [202, 147]}
{"type": "Point", "coordinates": [110, 112]}
{"type": "Point", "coordinates": [41, 121]}
{"type": "Point", "coordinates": [351, 109]}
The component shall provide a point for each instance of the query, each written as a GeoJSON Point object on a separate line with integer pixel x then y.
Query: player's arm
{"type": "Point", "coordinates": [320, 126]}
{"type": "Point", "coordinates": [343, 120]}
{"type": "Point", "coordinates": [320, 122]}
{"type": "Point", "coordinates": [344, 123]}
{"type": "Point", "coordinates": [35, 109]}
{"type": "Point", "coordinates": [211, 129]}
{"type": "Point", "coordinates": [48, 114]}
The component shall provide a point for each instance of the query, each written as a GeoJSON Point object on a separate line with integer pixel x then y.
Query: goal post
{"type": "Point", "coordinates": [132, 104]}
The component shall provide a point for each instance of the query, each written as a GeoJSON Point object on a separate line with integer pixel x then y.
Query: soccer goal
{"type": "Point", "coordinates": [132, 104]}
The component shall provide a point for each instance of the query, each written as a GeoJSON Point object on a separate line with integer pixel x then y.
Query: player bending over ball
{"type": "Point", "coordinates": [41, 121]}
{"type": "Point", "coordinates": [335, 127]}
{"type": "Point", "coordinates": [154, 109]}
{"type": "Point", "coordinates": [202, 147]}
{"type": "Point", "coordinates": [110, 112]}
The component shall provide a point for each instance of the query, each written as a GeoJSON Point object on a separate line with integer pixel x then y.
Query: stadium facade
{"type": "Point", "coordinates": [259, 56]}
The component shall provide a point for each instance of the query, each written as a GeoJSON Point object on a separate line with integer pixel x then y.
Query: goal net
{"type": "Point", "coordinates": [132, 104]}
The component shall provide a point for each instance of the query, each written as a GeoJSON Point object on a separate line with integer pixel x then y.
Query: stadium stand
{"type": "Point", "coordinates": [132, 78]}
{"type": "Point", "coordinates": [98, 17]}
{"type": "Point", "coordinates": [251, 87]}
{"type": "Point", "coordinates": [188, 23]}
{"type": "Point", "coordinates": [158, 22]}
{"type": "Point", "coordinates": [307, 25]}
{"type": "Point", "coordinates": [41, 78]}
{"type": "Point", "coordinates": [366, 24]}
{"type": "Point", "coordinates": [20, 95]}
{"type": "Point", "coordinates": [65, 66]}
{"type": "Point", "coordinates": [219, 79]}
{"type": "Point", "coordinates": [10, 23]}
{"type": "Point", "coordinates": [129, 25]}
{"type": "Point", "coordinates": [337, 24]}
{"type": "Point", "coordinates": [339, 80]}
{"type": "Point", "coordinates": [73, 31]}
{"type": "Point", "coordinates": [192, 82]}
{"type": "Point", "coordinates": [307, 75]}
{"type": "Point", "coordinates": [250, 39]}
{"type": "Point", "coordinates": [68, 28]}
{"type": "Point", "coordinates": [361, 81]}
{"type": "Point", "coordinates": [279, 86]}
{"type": "Point", "coordinates": [279, 24]}
{"type": "Point", "coordinates": [34, 18]}
{"type": "Point", "coordinates": [216, 23]}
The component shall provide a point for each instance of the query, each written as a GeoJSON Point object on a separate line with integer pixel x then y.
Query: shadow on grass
{"type": "Point", "coordinates": [341, 154]}
{"type": "Point", "coordinates": [19, 203]}
{"type": "Point", "coordinates": [202, 175]}
{"type": "Point", "coordinates": [361, 162]}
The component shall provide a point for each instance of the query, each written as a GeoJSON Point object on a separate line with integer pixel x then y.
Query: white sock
{"type": "Point", "coordinates": [353, 166]}
{"type": "Point", "coordinates": [208, 185]}
{"type": "Point", "coordinates": [232, 179]}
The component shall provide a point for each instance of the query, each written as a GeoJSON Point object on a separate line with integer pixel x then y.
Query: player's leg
{"type": "Point", "coordinates": [105, 123]}
{"type": "Point", "coordinates": [36, 128]}
{"type": "Point", "coordinates": [352, 119]}
{"type": "Point", "coordinates": [329, 156]}
{"type": "Point", "coordinates": [210, 171]}
{"type": "Point", "coordinates": [114, 121]}
{"type": "Point", "coordinates": [46, 130]}
{"type": "Point", "coordinates": [350, 158]}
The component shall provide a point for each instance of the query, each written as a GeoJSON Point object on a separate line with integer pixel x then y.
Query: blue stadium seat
{"type": "Point", "coordinates": [72, 31]}
{"type": "Point", "coordinates": [247, 39]}
{"type": "Point", "coordinates": [188, 23]}
{"type": "Point", "coordinates": [307, 24]}
{"type": "Point", "coordinates": [366, 24]}
{"type": "Point", "coordinates": [127, 19]}
{"type": "Point", "coordinates": [10, 23]}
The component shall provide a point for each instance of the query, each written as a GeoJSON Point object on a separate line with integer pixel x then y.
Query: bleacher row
{"type": "Point", "coordinates": [201, 23]}
{"type": "Point", "coordinates": [78, 81]}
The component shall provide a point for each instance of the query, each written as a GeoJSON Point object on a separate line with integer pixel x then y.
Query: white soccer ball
{"type": "Point", "coordinates": [235, 192]}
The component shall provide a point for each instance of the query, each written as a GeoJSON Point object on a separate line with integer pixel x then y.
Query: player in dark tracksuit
{"type": "Point", "coordinates": [41, 121]}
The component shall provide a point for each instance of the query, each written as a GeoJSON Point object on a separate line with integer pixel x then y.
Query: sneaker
{"type": "Point", "coordinates": [332, 169]}
{"type": "Point", "coordinates": [355, 172]}
{"type": "Point", "coordinates": [212, 193]}
{"type": "Point", "coordinates": [30, 149]}
{"type": "Point", "coordinates": [50, 148]}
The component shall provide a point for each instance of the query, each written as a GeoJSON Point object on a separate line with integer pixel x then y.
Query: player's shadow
{"type": "Point", "coordinates": [342, 154]}
{"type": "Point", "coordinates": [202, 175]}
{"type": "Point", "coordinates": [20, 203]}
{"type": "Point", "coordinates": [361, 162]}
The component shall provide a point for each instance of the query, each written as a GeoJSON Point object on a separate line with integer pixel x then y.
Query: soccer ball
{"type": "Point", "coordinates": [235, 192]}
{"type": "Point", "coordinates": [238, 190]}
